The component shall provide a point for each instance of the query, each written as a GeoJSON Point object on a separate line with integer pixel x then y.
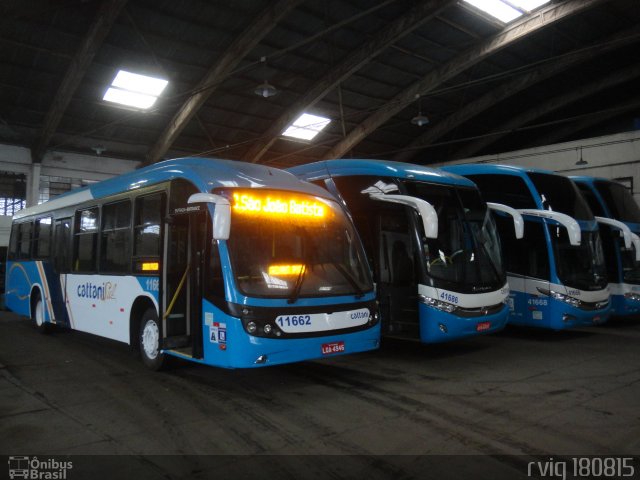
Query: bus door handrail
{"type": "Point", "coordinates": [618, 225]}
{"type": "Point", "coordinates": [424, 208]}
{"type": "Point", "coordinates": [177, 292]}
{"type": "Point", "coordinates": [570, 223]}
{"type": "Point", "coordinates": [518, 221]}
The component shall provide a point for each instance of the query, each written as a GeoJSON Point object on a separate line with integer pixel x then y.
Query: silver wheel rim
{"type": "Point", "coordinates": [150, 339]}
{"type": "Point", "coordinates": [39, 313]}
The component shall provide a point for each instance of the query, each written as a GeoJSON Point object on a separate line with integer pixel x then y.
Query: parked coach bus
{"type": "Point", "coordinates": [223, 263]}
{"type": "Point", "coordinates": [617, 212]}
{"type": "Point", "coordinates": [432, 242]}
{"type": "Point", "coordinates": [557, 273]}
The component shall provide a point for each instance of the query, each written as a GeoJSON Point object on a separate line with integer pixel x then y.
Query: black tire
{"type": "Point", "coordinates": [37, 314]}
{"type": "Point", "coordinates": [149, 340]}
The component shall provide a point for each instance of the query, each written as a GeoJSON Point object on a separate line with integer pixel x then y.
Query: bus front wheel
{"type": "Point", "coordinates": [149, 338]}
{"type": "Point", "coordinates": [37, 315]}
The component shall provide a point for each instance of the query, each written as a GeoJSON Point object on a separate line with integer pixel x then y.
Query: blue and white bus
{"type": "Point", "coordinates": [432, 242]}
{"type": "Point", "coordinates": [223, 263]}
{"type": "Point", "coordinates": [556, 272]}
{"type": "Point", "coordinates": [618, 213]}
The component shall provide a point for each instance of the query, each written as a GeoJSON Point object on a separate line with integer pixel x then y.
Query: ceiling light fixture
{"type": "Point", "coordinates": [582, 161]}
{"type": "Point", "coordinates": [135, 90]}
{"type": "Point", "coordinates": [306, 126]}
{"type": "Point", "coordinates": [420, 119]}
{"type": "Point", "coordinates": [265, 89]}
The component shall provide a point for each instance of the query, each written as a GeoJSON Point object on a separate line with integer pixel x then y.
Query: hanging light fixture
{"type": "Point", "coordinates": [420, 119]}
{"type": "Point", "coordinates": [265, 89]}
{"type": "Point", "coordinates": [582, 161]}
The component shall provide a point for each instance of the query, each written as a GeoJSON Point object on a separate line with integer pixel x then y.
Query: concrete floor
{"type": "Point", "coordinates": [503, 398]}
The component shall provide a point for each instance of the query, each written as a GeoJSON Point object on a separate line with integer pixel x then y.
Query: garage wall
{"type": "Point", "coordinates": [612, 156]}
{"type": "Point", "coordinates": [56, 164]}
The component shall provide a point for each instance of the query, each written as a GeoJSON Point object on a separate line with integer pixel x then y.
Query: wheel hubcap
{"type": "Point", "coordinates": [150, 338]}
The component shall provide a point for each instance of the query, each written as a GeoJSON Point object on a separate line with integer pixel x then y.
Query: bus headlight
{"type": "Point", "coordinates": [251, 327]}
{"type": "Point", "coordinates": [574, 302]}
{"type": "Point", "coordinates": [439, 305]}
{"type": "Point", "coordinates": [632, 296]}
{"type": "Point", "coordinates": [267, 329]}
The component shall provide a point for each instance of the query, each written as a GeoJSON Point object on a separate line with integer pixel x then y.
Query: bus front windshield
{"type": "Point", "coordinates": [466, 255]}
{"type": "Point", "coordinates": [579, 266]}
{"type": "Point", "coordinates": [619, 201]}
{"type": "Point", "coordinates": [289, 245]}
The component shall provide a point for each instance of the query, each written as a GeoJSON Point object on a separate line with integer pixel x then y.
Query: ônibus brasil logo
{"type": "Point", "coordinates": [33, 468]}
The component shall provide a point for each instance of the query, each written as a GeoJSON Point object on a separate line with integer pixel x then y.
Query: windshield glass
{"type": "Point", "coordinates": [560, 194]}
{"type": "Point", "coordinates": [581, 266]}
{"type": "Point", "coordinates": [619, 201]}
{"type": "Point", "coordinates": [630, 268]}
{"type": "Point", "coordinates": [285, 244]}
{"type": "Point", "coordinates": [467, 250]}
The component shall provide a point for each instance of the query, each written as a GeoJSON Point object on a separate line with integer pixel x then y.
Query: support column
{"type": "Point", "coordinates": [33, 184]}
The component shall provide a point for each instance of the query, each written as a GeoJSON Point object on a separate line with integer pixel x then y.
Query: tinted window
{"type": "Point", "coordinates": [116, 237]}
{"type": "Point", "coordinates": [86, 240]}
{"type": "Point", "coordinates": [148, 217]}
{"type": "Point", "coordinates": [42, 237]}
{"type": "Point", "coordinates": [619, 201]}
{"type": "Point", "coordinates": [62, 245]}
{"type": "Point", "coordinates": [24, 243]}
{"type": "Point", "coordinates": [509, 190]}
{"type": "Point", "coordinates": [527, 256]}
{"type": "Point", "coordinates": [561, 194]}
{"type": "Point", "coordinates": [592, 200]}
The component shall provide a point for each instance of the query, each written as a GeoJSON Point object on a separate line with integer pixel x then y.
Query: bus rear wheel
{"type": "Point", "coordinates": [149, 340]}
{"type": "Point", "coordinates": [37, 315]}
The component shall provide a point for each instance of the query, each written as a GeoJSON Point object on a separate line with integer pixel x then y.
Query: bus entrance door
{"type": "Point", "coordinates": [397, 286]}
{"type": "Point", "coordinates": [181, 317]}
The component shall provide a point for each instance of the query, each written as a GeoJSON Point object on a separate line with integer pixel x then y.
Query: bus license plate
{"type": "Point", "coordinates": [334, 347]}
{"type": "Point", "coordinates": [482, 326]}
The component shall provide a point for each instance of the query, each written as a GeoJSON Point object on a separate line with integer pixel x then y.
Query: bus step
{"type": "Point", "coordinates": [177, 341]}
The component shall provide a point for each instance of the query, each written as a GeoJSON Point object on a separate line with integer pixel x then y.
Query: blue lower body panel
{"type": "Point", "coordinates": [228, 345]}
{"type": "Point", "coordinates": [622, 306]}
{"type": "Point", "coordinates": [437, 326]}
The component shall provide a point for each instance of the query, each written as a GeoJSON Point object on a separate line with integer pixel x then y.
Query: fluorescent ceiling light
{"type": "Point", "coordinates": [528, 4]}
{"type": "Point", "coordinates": [306, 126]}
{"type": "Point", "coordinates": [135, 90]}
{"type": "Point", "coordinates": [496, 8]}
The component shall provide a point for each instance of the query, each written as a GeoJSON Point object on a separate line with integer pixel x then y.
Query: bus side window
{"type": "Point", "coordinates": [62, 245]}
{"type": "Point", "coordinates": [13, 244]}
{"type": "Point", "coordinates": [216, 285]}
{"type": "Point", "coordinates": [146, 230]}
{"type": "Point", "coordinates": [116, 237]}
{"type": "Point", "coordinates": [42, 238]}
{"type": "Point", "coordinates": [24, 246]}
{"type": "Point", "coordinates": [86, 236]}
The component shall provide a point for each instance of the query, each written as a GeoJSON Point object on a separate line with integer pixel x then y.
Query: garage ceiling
{"type": "Point", "coordinates": [563, 72]}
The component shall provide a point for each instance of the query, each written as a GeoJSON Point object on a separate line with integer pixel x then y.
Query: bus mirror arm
{"type": "Point", "coordinates": [221, 213]}
{"type": "Point", "coordinates": [424, 208]}
{"type": "Point", "coordinates": [572, 226]}
{"type": "Point", "coordinates": [626, 232]}
{"type": "Point", "coordinates": [518, 221]}
{"type": "Point", "coordinates": [635, 239]}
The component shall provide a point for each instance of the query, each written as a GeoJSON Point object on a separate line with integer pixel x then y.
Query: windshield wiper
{"type": "Point", "coordinates": [350, 279]}
{"type": "Point", "coordinates": [298, 285]}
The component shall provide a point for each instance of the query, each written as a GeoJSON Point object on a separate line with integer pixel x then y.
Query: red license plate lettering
{"type": "Point", "coordinates": [334, 347]}
{"type": "Point", "coordinates": [482, 326]}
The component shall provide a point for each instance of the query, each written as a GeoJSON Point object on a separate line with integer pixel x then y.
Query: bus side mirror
{"type": "Point", "coordinates": [635, 239]}
{"type": "Point", "coordinates": [518, 221]}
{"type": "Point", "coordinates": [221, 213]}
{"type": "Point", "coordinates": [572, 226]}
{"type": "Point", "coordinates": [424, 208]}
{"type": "Point", "coordinates": [624, 230]}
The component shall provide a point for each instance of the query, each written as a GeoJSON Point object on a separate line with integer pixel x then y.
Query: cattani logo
{"type": "Point", "coordinates": [36, 469]}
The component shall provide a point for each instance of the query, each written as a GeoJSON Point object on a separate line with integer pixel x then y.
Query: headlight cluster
{"type": "Point", "coordinates": [443, 306]}
{"type": "Point", "coordinates": [574, 302]}
{"type": "Point", "coordinates": [632, 296]}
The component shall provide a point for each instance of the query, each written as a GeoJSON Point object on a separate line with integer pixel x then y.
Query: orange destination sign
{"type": "Point", "coordinates": [278, 205]}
